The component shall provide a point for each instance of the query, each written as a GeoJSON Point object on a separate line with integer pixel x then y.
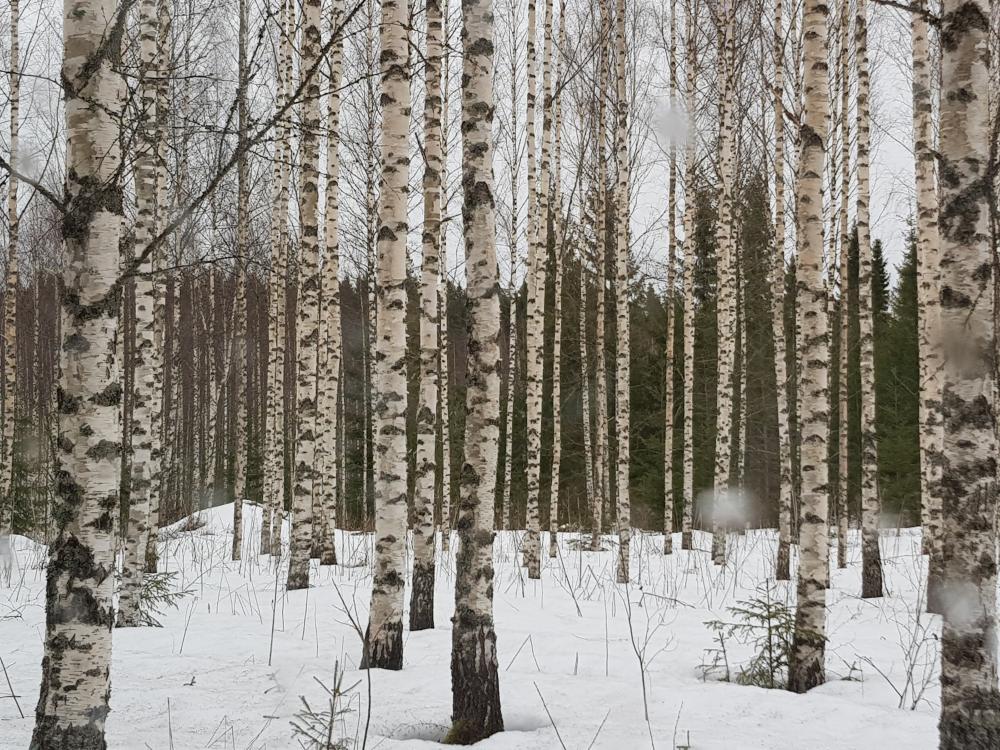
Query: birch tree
{"type": "Point", "coordinates": [422, 591]}
{"type": "Point", "coordinates": [307, 328]}
{"type": "Point", "coordinates": [75, 686]}
{"type": "Point", "coordinates": [475, 682]}
{"type": "Point", "coordinates": [970, 701]}
{"type": "Point", "coordinates": [806, 668]}
{"type": "Point", "coordinates": [384, 638]}
{"type": "Point", "coordinates": [871, 559]}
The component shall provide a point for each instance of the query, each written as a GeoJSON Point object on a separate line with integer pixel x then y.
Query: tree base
{"type": "Point", "coordinates": [475, 685]}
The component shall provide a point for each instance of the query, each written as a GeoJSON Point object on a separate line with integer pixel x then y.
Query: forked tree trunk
{"type": "Point", "coordinates": [806, 668]}
{"type": "Point", "coordinates": [871, 558]}
{"type": "Point", "coordinates": [75, 687]}
{"type": "Point", "coordinates": [474, 679]}
{"type": "Point", "coordinates": [384, 638]}
{"type": "Point", "coordinates": [970, 702]}
{"type": "Point", "coordinates": [145, 354]}
{"type": "Point", "coordinates": [928, 308]}
{"type": "Point", "coordinates": [307, 328]}
{"type": "Point", "coordinates": [422, 590]}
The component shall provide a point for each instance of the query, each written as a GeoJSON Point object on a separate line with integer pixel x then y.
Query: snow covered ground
{"type": "Point", "coordinates": [217, 675]}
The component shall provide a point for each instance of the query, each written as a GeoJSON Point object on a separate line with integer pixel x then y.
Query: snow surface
{"type": "Point", "coordinates": [565, 644]}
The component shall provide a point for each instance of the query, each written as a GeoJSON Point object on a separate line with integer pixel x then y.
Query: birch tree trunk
{"type": "Point", "coordinates": [557, 273]}
{"type": "Point", "coordinates": [443, 413]}
{"type": "Point", "coordinates": [726, 319]}
{"type": "Point", "coordinates": [928, 309]}
{"type": "Point", "coordinates": [75, 686]}
{"type": "Point", "coordinates": [871, 559]}
{"type": "Point", "coordinates": [384, 639]}
{"type": "Point", "coordinates": [145, 353]}
{"type": "Point", "coordinates": [307, 329]}
{"type": "Point", "coordinates": [242, 333]}
{"type": "Point", "coordinates": [806, 667]}
{"type": "Point", "coordinates": [623, 349]}
{"type": "Point", "coordinates": [845, 185]}
{"type": "Point", "coordinates": [10, 287]}
{"type": "Point", "coordinates": [668, 361]}
{"type": "Point", "coordinates": [422, 591]}
{"type": "Point", "coordinates": [778, 307]}
{"type": "Point", "coordinates": [601, 390]}
{"type": "Point", "coordinates": [970, 702]}
{"type": "Point", "coordinates": [538, 237]}
{"type": "Point", "coordinates": [474, 676]}
{"type": "Point", "coordinates": [277, 288]}
{"type": "Point", "coordinates": [158, 426]}
{"type": "Point", "coordinates": [330, 445]}
{"type": "Point", "coordinates": [691, 77]}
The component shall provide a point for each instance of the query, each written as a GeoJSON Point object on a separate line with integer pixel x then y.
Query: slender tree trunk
{"type": "Point", "coordinates": [806, 668]}
{"type": "Point", "coordinates": [10, 288]}
{"type": "Point", "coordinates": [726, 320]}
{"type": "Point", "coordinates": [668, 360]}
{"type": "Point", "coordinates": [444, 392]}
{"type": "Point", "coordinates": [538, 237]}
{"type": "Point", "coordinates": [384, 639]}
{"type": "Point", "coordinates": [845, 180]}
{"type": "Point", "coordinates": [424, 542]}
{"type": "Point", "coordinates": [307, 329]}
{"type": "Point", "coordinates": [158, 425]}
{"type": "Point", "coordinates": [588, 455]}
{"type": "Point", "coordinates": [601, 389]}
{"type": "Point", "coordinates": [145, 352]}
{"type": "Point", "coordinates": [557, 274]}
{"type": "Point", "coordinates": [871, 559]}
{"type": "Point", "coordinates": [330, 444]}
{"type": "Point", "coordinates": [75, 686]}
{"type": "Point", "coordinates": [928, 310]}
{"type": "Point", "coordinates": [778, 308]}
{"type": "Point", "coordinates": [688, 290]}
{"type": "Point", "coordinates": [623, 349]}
{"type": "Point", "coordinates": [242, 333]}
{"type": "Point", "coordinates": [474, 679]}
{"type": "Point", "coordinates": [970, 702]}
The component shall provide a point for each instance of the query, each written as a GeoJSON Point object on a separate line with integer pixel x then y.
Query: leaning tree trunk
{"type": "Point", "coordinates": [475, 681]}
{"type": "Point", "coordinates": [384, 639]}
{"type": "Point", "coordinates": [687, 291]}
{"type": "Point", "coordinates": [806, 668]}
{"type": "Point", "coordinates": [145, 353]}
{"type": "Point", "coordinates": [307, 328]}
{"type": "Point", "coordinates": [871, 559]}
{"type": "Point", "coordinates": [422, 590]}
{"type": "Point", "coordinates": [778, 308]}
{"type": "Point", "coordinates": [623, 349]}
{"type": "Point", "coordinates": [970, 702]}
{"type": "Point", "coordinates": [928, 309]}
{"type": "Point", "coordinates": [76, 684]}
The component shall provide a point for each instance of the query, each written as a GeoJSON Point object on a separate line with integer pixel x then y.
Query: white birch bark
{"type": "Point", "coordinates": [75, 686]}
